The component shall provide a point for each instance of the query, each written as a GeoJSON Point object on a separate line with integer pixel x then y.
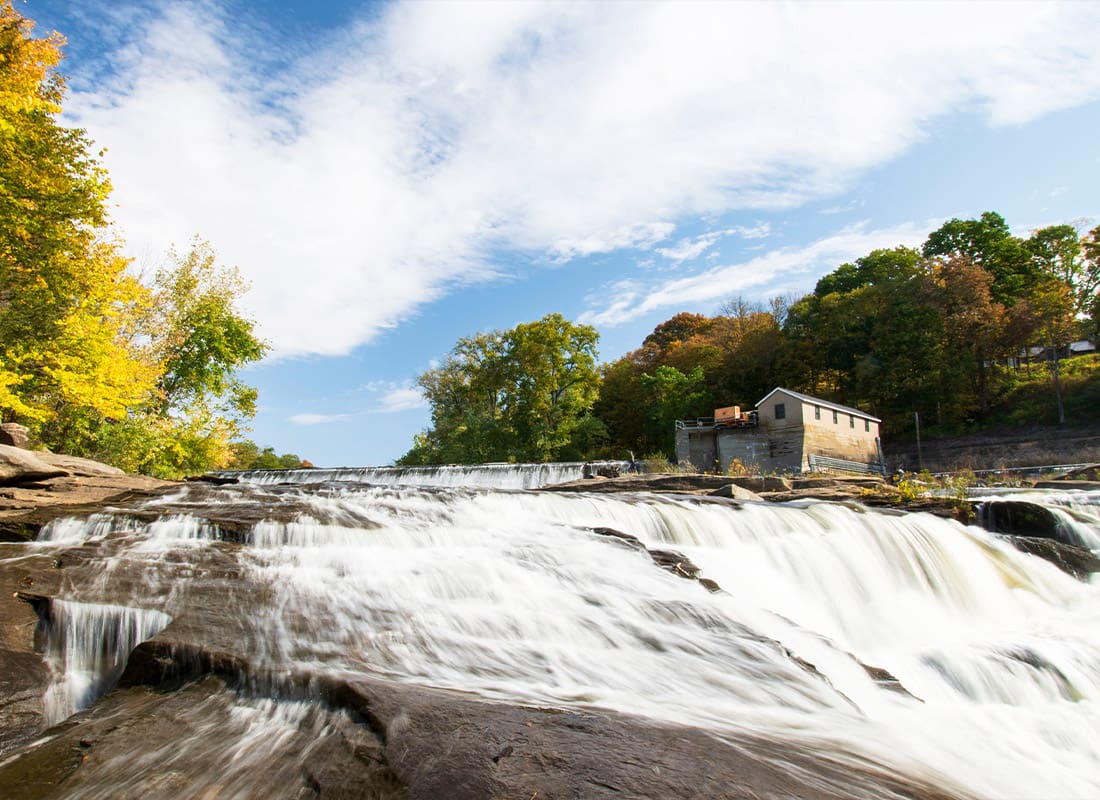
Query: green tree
{"type": "Point", "coordinates": [988, 243]}
{"type": "Point", "coordinates": [618, 408]}
{"type": "Point", "coordinates": [199, 340]}
{"type": "Point", "coordinates": [199, 337]}
{"type": "Point", "coordinates": [553, 383]}
{"type": "Point", "coordinates": [467, 395]}
{"type": "Point", "coordinates": [1064, 290]}
{"type": "Point", "coordinates": [1090, 245]}
{"type": "Point", "coordinates": [669, 395]}
{"type": "Point", "coordinates": [522, 394]}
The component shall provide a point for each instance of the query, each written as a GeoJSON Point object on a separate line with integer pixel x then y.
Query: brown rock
{"type": "Point", "coordinates": [735, 492]}
{"type": "Point", "coordinates": [13, 434]}
{"type": "Point", "coordinates": [22, 466]}
{"type": "Point", "coordinates": [78, 466]}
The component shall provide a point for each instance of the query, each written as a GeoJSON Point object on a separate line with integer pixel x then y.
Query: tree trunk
{"type": "Point", "coordinates": [1057, 383]}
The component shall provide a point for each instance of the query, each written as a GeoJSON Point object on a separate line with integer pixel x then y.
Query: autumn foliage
{"type": "Point", "coordinates": [92, 360]}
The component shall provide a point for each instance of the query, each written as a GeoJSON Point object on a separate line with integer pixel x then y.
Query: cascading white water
{"type": "Point", "coordinates": [513, 595]}
{"type": "Point", "coordinates": [488, 476]}
{"type": "Point", "coordinates": [1076, 513]}
{"type": "Point", "coordinates": [88, 644]}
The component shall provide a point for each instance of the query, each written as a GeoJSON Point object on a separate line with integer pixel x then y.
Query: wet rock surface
{"type": "Point", "coordinates": [743, 487]}
{"type": "Point", "coordinates": [183, 721]}
{"type": "Point", "coordinates": [25, 508]}
{"type": "Point", "coordinates": [1077, 561]}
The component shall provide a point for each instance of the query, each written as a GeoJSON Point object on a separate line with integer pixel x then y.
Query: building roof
{"type": "Point", "coordinates": [817, 401]}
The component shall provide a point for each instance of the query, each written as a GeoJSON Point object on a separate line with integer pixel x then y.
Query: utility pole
{"type": "Point", "coordinates": [920, 456]}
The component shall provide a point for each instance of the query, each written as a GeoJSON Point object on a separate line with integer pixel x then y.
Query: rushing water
{"type": "Point", "coordinates": [515, 595]}
{"type": "Point", "coordinates": [88, 647]}
{"type": "Point", "coordinates": [491, 476]}
{"type": "Point", "coordinates": [1075, 513]}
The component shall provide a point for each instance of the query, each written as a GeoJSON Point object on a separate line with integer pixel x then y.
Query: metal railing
{"type": "Point", "coordinates": [698, 423]}
{"type": "Point", "coordinates": [826, 463]}
{"type": "Point", "coordinates": [1032, 472]}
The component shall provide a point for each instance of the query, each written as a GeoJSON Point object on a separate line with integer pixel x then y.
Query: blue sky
{"type": "Point", "coordinates": [393, 176]}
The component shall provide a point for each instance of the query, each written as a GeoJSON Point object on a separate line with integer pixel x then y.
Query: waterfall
{"type": "Point", "coordinates": [1071, 516]}
{"type": "Point", "coordinates": [87, 646]}
{"type": "Point", "coordinates": [525, 597]}
{"type": "Point", "coordinates": [489, 476]}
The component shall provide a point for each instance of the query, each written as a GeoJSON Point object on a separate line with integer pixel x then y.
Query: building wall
{"type": "Point", "coordinates": [850, 437]}
{"type": "Point", "coordinates": [697, 447]}
{"type": "Point", "coordinates": [784, 451]}
{"type": "Point", "coordinates": [779, 451]}
{"type": "Point", "coordinates": [784, 444]}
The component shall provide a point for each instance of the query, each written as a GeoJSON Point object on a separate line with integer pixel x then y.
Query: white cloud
{"type": "Point", "coordinates": [359, 182]}
{"type": "Point", "coordinates": [401, 399]}
{"type": "Point", "coordinates": [318, 419]}
{"type": "Point", "coordinates": [800, 266]}
{"type": "Point", "coordinates": [692, 248]}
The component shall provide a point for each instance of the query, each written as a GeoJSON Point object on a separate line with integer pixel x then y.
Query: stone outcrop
{"type": "Point", "coordinates": [735, 492]}
{"type": "Point", "coordinates": [26, 507]}
{"type": "Point", "coordinates": [1077, 561]}
{"type": "Point", "coordinates": [14, 434]}
{"type": "Point", "coordinates": [19, 466]}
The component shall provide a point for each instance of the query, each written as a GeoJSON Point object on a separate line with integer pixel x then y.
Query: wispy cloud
{"type": "Point", "coordinates": [358, 181]}
{"type": "Point", "coordinates": [691, 248]}
{"type": "Point", "coordinates": [799, 266]}
{"type": "Point", "coordinates": [401, 399]}
{"type": "Point", "coordinates": [318, 419]}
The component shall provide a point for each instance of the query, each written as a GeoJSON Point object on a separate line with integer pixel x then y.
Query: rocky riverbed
{"type": "Point", "coordinates": [181, 721]}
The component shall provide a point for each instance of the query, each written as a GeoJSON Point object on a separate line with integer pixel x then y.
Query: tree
{"type": "Point", "coordinates": [67, 303]}
{"type": "Point", "coordinates": [618, 407]}
{"type": "Point", "coordinates": [91, 360]}
{"type": "Point", "coordinates": [199, 337]}
{"type": "Point", "coordinates": [522, 394]}
{"type": "Point", "coordinates": [1059, 252]}
{"type": "Point", "coordinates": [553, 383]}
{"type": "Point", "coordinates": [987, 242]}
{"type": "Point", "coordinates": [467, 395]}
{"type": "Point", "coordinates": [680, 328]}
{"type": "Point", "coordinates": [1090, 244]}
{"type": "Point", "coordinates": [198, 406]}
{"type": "Point", "coordinates": [1064, 289]}
{"type": "Point", "coordinates": [671, 395]}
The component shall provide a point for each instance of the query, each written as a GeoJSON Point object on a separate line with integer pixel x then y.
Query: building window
{"type": "Point", "coordinates": [851, 421]}
{"type": "Point", "coordinates": [780, 411]}
{"type": "Point", "coordinates": [817, 412]}
{"type": "Point", "coordinates": [867, 425]}
{"type": "Point", "coordinates": [836, 418]}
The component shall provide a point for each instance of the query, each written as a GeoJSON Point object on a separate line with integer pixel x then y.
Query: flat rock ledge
{"type": "Point", "coordinates": [36, 487]}
{"type": "Point", "coordinates": [746, 487]}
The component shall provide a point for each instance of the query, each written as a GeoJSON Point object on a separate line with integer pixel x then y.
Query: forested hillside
{"type": "Point", "coordinates": [974, 329]}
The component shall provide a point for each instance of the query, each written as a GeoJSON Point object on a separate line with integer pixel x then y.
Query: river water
{"type": "Point", "coordinates": [519, 595]}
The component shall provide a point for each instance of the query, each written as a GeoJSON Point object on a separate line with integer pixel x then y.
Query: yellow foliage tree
{"type": "Point", "coordinates": [68, 307]}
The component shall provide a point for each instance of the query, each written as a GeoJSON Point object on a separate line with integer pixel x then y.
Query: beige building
{"type": "Point", "coordinates": [788, 432]}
